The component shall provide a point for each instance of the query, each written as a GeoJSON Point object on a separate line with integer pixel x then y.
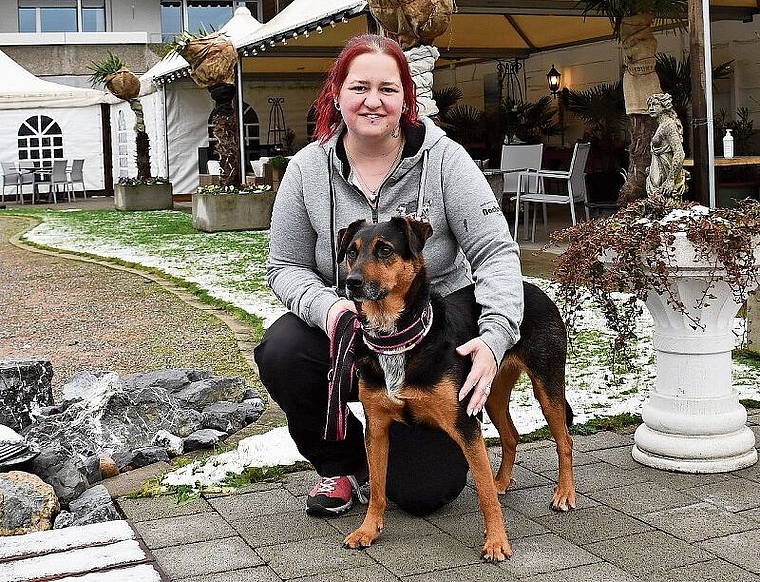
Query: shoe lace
{"type": "Point", "coordinates": [327, 484]}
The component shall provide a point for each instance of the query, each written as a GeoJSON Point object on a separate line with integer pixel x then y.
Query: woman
{"type": "Point", "coordinates": [375, 159]}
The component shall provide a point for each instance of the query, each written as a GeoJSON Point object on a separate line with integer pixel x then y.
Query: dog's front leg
{"type": "Point", "coordinates": [377, 442]}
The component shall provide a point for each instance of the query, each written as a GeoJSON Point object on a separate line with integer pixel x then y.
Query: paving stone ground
{"type": "Point", "coordinates": [632, 523]}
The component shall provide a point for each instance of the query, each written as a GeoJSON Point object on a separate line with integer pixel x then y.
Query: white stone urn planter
{"type": "Point", "coordinates": [228, 212]}
{"type": "Point", "coordinates": [693, 421]}
{"type": "Point", "coordinates": [143, 196]}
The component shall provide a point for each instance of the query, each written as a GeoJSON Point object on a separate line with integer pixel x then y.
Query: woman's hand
{"type": "Point", "coordinates": [337, 308]}
{"type": "Point", "coordinates": [481, 375]}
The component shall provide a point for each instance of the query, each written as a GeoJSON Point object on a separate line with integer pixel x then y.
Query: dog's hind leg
{"type": "Point", "coordinates": [497, 407]}
{"type": "Point", "coordinates": [555, 411]}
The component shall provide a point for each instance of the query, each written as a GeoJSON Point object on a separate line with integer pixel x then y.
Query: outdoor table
{"type": "Point", "coordinates": [724, 162]}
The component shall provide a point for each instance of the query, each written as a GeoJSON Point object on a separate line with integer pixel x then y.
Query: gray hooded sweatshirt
{"type": "Point", "coordinates": [470, 241]}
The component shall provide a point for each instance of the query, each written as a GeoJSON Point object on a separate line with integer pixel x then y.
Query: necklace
{"type": "Point", "coordinates": [371, 193]}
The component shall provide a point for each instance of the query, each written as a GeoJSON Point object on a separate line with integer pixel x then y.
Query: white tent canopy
{"type": "Point", "coordinates": [21, 89]}
{"type": "Point", "coordinates": [241, 25]}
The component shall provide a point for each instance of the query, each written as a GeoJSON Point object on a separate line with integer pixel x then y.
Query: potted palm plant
{"type": "Point", "coordinates": [229, 205]}
{"type": "Point", "coordinates": [144, 192]}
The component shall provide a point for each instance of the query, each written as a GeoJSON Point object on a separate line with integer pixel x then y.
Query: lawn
{"type": "Point", "coordinates": [230, 268]}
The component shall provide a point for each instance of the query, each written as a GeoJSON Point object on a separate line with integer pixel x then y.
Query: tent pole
{"type": "Point", "coordinates": [166, 131]}
{"type": "Point", "coordinates": [241, 128]}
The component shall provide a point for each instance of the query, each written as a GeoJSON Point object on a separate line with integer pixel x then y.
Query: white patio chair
{"type": "Point", "coordinates": [11, 178]}
{"type": "Point", "coordinates": [214, 167]}
{"type": "Point", "coordinates": [575, 183]}
{"type": "Point", "coordinates": [516, 159]}
{"type": "Point", "coordinates": [76, 176]}
{"type": "Point", "coordinates": [59, 179]}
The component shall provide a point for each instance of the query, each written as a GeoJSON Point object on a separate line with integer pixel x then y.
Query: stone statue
{"type": "Point", "coordinates": [666, 177]}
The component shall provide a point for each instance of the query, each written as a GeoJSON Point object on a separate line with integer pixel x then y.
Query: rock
{"type": "Point", "coordinates": [249, 395]}
{"type": "Point", "coordinates": [65, 472]}
{"type": "Point", "coordinates": [130, 460]}
{"type": "Point", "coordinates": [174, 445]}
{"type": "Point", "coordinates": [105, 413]}
{"type": "Point", "coordinates": [93, 506]}
{"type": "Point", "coordinates": [108, 467]}
{"type": "Point", "coordinates": [229, 417]}
{"type": "Point", "coordinates": [92, 466]}
{"type": "Point", "coordinates": [203, 439]}
{"type": "Point", "coordinates": [185, 422]}
{"type": "Point", "coordinates": [198, 394]}
{"type": "Point", "coordinates": [25, 386]}
{"type": "Point", "coordinates": [27, 504]}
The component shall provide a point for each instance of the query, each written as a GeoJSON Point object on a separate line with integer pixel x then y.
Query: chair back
{"type": "Point", "coordinates": [59, 171]}
{"type": "Point", "coordinates": [76, 171]}
{"type": "Point", "coordinates": [214, 167]}
{"type": "Point", "coordinates": [578, 170]}
{"type": "Point", "coordinates": [516, 157]}
{"type": "Point", "coordinates": [9, 170]}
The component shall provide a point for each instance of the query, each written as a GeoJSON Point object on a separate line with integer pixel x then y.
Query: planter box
{"type": "Point", "coordinates": [143, 197]}
{"type": "Point", "coordinates": [224, 212]}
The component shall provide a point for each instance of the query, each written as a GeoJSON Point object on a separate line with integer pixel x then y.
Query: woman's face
{"type": "Point", "coordinates": [372, 97]}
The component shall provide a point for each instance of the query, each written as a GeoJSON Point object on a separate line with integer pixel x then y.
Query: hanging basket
{"type": "Point", "coordinates": [413, 22]}
{"type": "Point", "coordinates": [124, 84]}
{"type": "Point", "coordinates": [212, 60]}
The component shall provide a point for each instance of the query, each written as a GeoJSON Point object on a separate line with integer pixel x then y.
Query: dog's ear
{"type": "Point", "coordinates": [345, 236]}
{"type": "Point", "coordinates": [416, 231]}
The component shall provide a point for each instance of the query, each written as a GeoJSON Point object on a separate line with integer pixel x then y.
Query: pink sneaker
{"type": "Point", "coordinates": [333, 495]}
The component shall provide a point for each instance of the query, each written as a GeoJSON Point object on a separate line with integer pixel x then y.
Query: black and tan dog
{"type": "Point", "coordinates": [388, 282]}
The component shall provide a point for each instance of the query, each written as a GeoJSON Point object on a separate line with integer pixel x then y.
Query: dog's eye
{"type": "Point", "coordinates": [384, 251]}
{"type": "Point", "coordinates": [351, 255]}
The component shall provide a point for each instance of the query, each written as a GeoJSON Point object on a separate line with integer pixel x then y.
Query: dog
{"type": "Point", "coordinates": [388, 282]}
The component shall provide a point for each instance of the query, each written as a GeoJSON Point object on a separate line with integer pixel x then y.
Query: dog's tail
{"type": "Point", "coordinates": [568, 414]}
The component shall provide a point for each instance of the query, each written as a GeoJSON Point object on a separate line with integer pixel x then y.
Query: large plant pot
{"type": "Point", "coordinates": [693, 421]}
{"type": "Point", "coordinates": [143, 197]}
{"type": "Point", "coordinates": [224, 212]}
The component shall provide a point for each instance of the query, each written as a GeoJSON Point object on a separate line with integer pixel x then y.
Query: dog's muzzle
{"type": "Point", "coordinates": [358, 289]}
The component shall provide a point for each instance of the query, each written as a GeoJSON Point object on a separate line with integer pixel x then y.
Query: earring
{"type": "Point", "coordinates": [395, 132]}
{"type": "Point", "coordinates": [403, 108]}
{"type": "Point", "coordinates": [336, 104]}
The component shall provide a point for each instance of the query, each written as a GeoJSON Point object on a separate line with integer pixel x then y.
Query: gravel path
{"type": "Point", "coordinates": [85, 316]}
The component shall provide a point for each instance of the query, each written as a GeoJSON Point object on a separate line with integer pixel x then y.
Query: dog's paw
{"type": "Point", "coordinates": [503, 484]}
{"type": "Point", "coordinates": [496, 550]}
{"type": "Point", "coordinates": [360, 538]}
{"type": "Point", "coordinates": [563, 500]}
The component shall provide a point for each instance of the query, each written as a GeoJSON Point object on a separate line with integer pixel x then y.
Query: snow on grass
{"type": "Point", "coordinates": [230, 267]}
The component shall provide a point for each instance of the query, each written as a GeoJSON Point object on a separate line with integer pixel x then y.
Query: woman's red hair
{"type": "Point", "coordinates": [329, 118]}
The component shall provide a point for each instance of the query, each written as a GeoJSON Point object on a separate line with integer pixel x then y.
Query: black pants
{"type": "Point", "coordinates": [426, 468]}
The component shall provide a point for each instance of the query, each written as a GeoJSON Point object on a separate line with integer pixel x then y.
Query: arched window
{"type": "Point", "coordinates": [311, 122]}
{"type": "Point", "coordinates": [124, 138]}
{"type": "Point", "coordinates": [251, 134]}
{"type": "Point", "coordinates": [40, 139]}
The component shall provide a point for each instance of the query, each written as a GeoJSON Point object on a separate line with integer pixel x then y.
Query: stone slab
{"type": "Point", "coordinates": [712, 570]}
{"type": "Point", "coordinates": [468, 528]}
{"type": "Point", "coordinates": [598, 476]}
{"type": "Point", "coordinates": [600, 572]}
{"type": "Point", "coordinates": [258, 574]}
{"type": "Point", "coordinates": [648, 552]}
{"type": "Point", "coordinates": [267, 530]}
{"type": "Point", "coordinates": [593, 524]}
{"type": "Point", "coordinates": [238, 506]}
{"type": "Point", "coordinates": [700, 521]}
{"type": "Point", "coordinates": [149, 508]}
{"type": "Point", "coordinates": [203, 558]}
{"type": "Point", "coordinates": [184, 529]}
{"type": "Point", "coordinates": [541, 554]}
{"type": "Point", "coordinates": [733, 494]}
{"type": "Point", "coordinates": [641, 498]}
{"type": "Point", "coordinates": [740, 549]}
{"type": "Point", "coordinates": [141, 573]}
{"type": "Point", "coordinates": [535, 502]}
{"type": "Point", "coordinates": [601, 440]}
{"type": "Point", "coordinates": [132, 481]}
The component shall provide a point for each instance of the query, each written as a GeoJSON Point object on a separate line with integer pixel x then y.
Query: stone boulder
{"type": "Point", "coordinates": [65, 471]}
{"type": "Point", "coordinates": [93, 506]}
{"type": "Point", "coordinates": [25, 387]}
{"type": "Point", "coordinates": [27, 504]}
{"type": "Point", "coordinates": [103, 413]}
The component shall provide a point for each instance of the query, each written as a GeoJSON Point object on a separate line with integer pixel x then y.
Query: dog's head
{"type": "Point", "coordinates": [383, 259]}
